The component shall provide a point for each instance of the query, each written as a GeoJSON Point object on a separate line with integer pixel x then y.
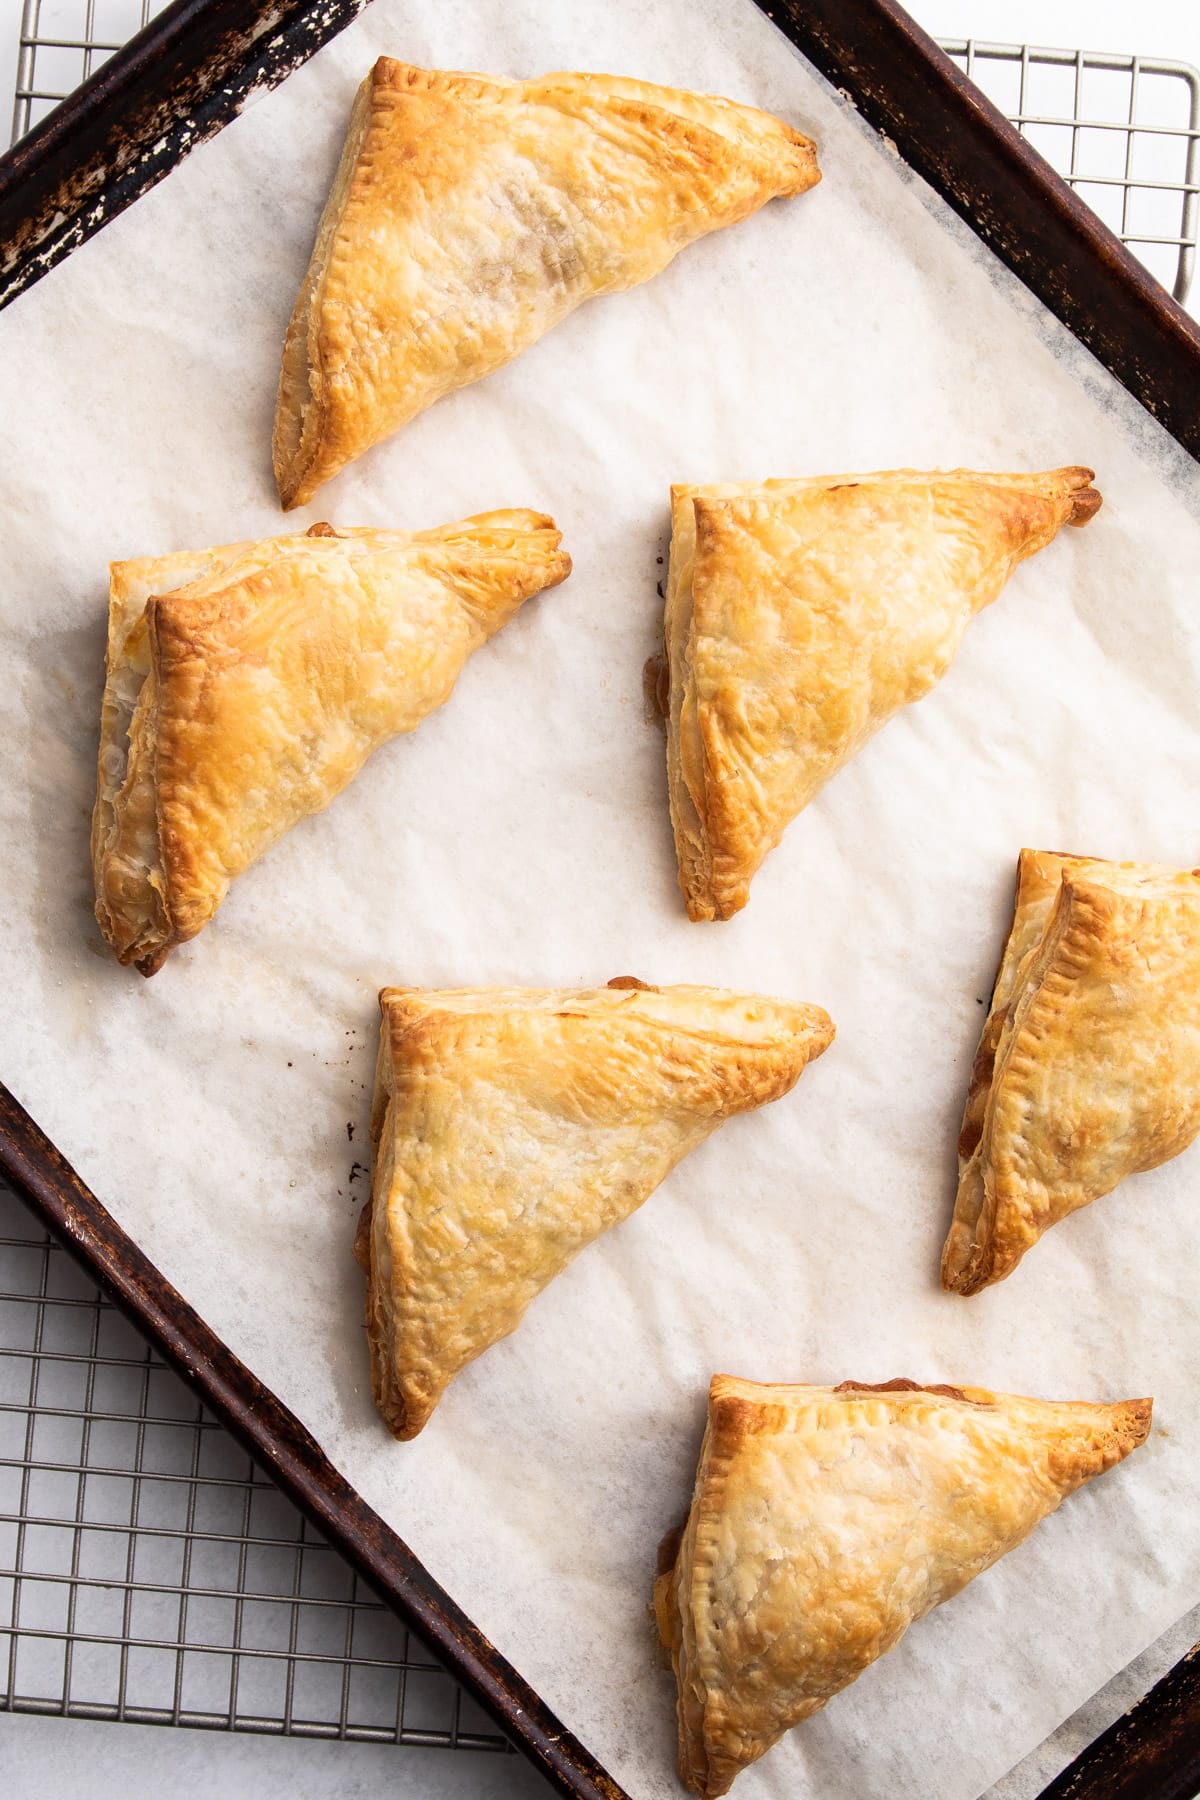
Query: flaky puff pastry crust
{"type": "Point", "coordinates": [1088, 1068]}
{"type": "Point", "coordinates": [247, 685]}
{"type": "Point", "coordinates": [826, 1520]}
{"type": "Point", "coordinates": [512, 1126]}
{"type": "Point", "coordinates": [800, 615]}
{"type": "Point", "coordinates": [470, 214]}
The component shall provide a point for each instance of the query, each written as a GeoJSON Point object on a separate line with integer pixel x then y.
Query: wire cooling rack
{"type": "Point", "coordinates": [1123, 130]}
{"type": "Point", "coordinates": [62, 42]}
{"type": "Point", "coordinates": [148, 1572]}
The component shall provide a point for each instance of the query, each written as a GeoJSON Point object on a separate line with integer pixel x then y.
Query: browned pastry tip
{"type": "Point", "coordinates": [1086, 500]}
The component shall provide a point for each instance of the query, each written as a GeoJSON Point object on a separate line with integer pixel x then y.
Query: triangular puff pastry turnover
{"type": "Point", "coordinates": [470, 214]}
{"type": "Point", "coordinates": [512, 1126]}
{"type": "Point", "coordinates": [1088, 1069]}
{"type": "Point", "coordinates": [825, 1520]}
{"type": "Point", "coordinates": [248, 684]}
{"type": "Point", "coordinates": [800, 615]}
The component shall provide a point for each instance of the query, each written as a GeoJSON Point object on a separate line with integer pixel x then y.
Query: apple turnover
{"type": "Point", "coordinates": [512, 1126]}
{"type": "Point", "coordinates": [1088, 1069]}
{"type": "Point", "coordinates": [248, 684]}
{"type": "Point", "coordinates": [470, 214]}
{"type": "Point", "coordinates": [826, 1520]}
{"type": "Point", "coordinates": [800, 615]}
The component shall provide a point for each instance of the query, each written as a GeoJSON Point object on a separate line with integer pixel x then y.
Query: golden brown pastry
{"type": "Point", "coordinates": [512, 1126]}
{"type": "Point", "coordinates": [800, 615]}
{"type": "Point", "coordinates": [825, 1520]}
{"type": "Point", "coordinates": [249, 683]}
{"type": "Point", "coordinates": [470, 214]}
{"type": "Point", "coordinates": [1088, 1069]}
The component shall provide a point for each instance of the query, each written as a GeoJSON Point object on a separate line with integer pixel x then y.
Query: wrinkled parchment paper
{"type": "Point", "coordinates": [522, 836]}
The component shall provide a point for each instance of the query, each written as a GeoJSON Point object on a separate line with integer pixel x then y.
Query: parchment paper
{"type": "Point", "coordinates": [522, 836]}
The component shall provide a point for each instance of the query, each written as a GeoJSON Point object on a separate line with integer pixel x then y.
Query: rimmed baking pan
{"type": "Point", "coordinates": [179, 82]}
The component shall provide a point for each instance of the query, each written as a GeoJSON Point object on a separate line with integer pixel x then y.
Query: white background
{"type": "Point", "coordinates": [72, 1758]}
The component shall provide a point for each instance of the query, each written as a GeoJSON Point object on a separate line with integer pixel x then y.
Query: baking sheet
{"type": "Point", "coordinates": [522, 835]}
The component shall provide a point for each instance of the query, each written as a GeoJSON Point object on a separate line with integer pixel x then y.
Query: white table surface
{"type": "Point", "coordinates": [72, 1759]}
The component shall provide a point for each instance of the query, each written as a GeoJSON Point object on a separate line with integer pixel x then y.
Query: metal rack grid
{"type": "Point", "coordinates": [62, 42]}
{"type": "Point", "coordinates": [147, 1571]}
{"type": "Point", "coordinates": [1123, 130]}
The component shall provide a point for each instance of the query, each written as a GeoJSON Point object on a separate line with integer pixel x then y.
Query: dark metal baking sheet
{"type": "Point", "coordinates": [173, 86]}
